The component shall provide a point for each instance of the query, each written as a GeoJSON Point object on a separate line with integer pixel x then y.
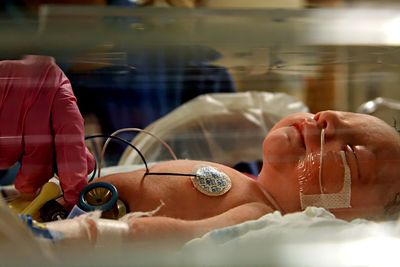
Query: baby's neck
{"type": "Point", "coordinates": [272, 202]}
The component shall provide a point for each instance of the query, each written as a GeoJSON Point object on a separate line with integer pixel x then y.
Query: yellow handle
{"type": "Point", "coordinates": [48, 192]}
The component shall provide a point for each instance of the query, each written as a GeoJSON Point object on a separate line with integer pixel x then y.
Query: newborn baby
{"type": "Point", "coordinates": [345, 162]}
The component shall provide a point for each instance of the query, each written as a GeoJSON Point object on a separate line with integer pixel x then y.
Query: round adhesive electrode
{"type": "Point", "coordinates": [210, 181]}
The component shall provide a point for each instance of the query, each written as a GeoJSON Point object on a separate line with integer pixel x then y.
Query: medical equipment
{"type": "Point", "coordinates": [337, 200]}
{"type": "Point", "coordinates": [211, 134]}
{"type": "Point", "coordinates": [385, 108]}
{"type": "Point", "coordinates": [328, 201]}
{"type": "Point", "coordinates": [103, 197]}
{"type": "Point", "coordinates": [370, 107]}
{"type": "Point", "coordinates": [277, 50]}
{"type": "Point", "coordinates": [43, 207]}
{"type": "Point", "coordinates": [210, 181]}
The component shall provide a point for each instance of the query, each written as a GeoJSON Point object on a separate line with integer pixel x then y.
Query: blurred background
{"type": "Point", "coordinates": [132, 62]}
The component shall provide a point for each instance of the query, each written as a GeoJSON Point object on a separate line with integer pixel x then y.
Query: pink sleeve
{"type": "Point", "coordinates": [74, 161]}
{"type": "Point", "coordinates": [30, 93]}
{"type": "Point", "coordinates": [53, 133]}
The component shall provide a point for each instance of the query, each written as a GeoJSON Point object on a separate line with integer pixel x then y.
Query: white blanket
{"type": "Point", "coordinates": [310, 238]}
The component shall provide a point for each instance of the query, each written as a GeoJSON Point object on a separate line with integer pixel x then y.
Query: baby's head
{"type": "Point", "coordinates": [360, 147]}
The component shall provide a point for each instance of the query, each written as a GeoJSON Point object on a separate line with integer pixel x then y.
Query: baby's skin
{"type": "Point", "coordinates": [370, 148]}
{"type": "Point", "coordinates": [187, 212]}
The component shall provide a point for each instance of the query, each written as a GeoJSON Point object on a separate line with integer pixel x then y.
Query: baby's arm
{"type": "Point", "coordinates": [148, 230]}
{"type": "Point", "coordinates": [176, 231]}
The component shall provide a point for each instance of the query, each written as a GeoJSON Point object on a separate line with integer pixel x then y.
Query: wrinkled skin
{"type": "Point", "coordinates": [372, 149]}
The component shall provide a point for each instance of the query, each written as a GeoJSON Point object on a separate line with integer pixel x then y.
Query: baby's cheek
{"type": "Point", "coordinates": [369, 200]}
{"type": "Point", "coordinates": [307, 173]}
{"type": "Point", "coordinates": [279, 151]}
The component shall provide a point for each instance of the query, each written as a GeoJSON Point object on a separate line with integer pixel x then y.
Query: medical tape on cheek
{"type": "Point", "coordinates": [341, 199]}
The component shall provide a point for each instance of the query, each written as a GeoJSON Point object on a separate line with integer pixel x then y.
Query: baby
{"type": "Point", "coordinates": [345, 162]}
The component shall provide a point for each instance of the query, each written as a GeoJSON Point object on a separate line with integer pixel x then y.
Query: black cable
{"type": "Point", "coordinates": [95, 150]}
{"type": "Point", "coordinates": [169, 173]}
{"type": "Point", "coordinates": [147, 172]}
{"type": "Point", "coordinates": [123, 141]}
{"type": "Point", "coordinates": [94, 171]}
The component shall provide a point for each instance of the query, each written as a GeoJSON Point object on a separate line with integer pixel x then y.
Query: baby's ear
{"type": "Point", "coordinates": [392, 208]}
{"type": "Point", "coordinates": [395, 125]}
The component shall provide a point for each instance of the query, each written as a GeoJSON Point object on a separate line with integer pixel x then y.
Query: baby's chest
{"type": "Point", "coordinates": [185, 199]}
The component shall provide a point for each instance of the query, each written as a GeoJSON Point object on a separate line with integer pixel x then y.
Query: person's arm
{"type": "Point", "coordinates": [74, 161]}
{"type": "Point", "coordinates": [146, 230]}
{"type": "Point", "coordinates": [45, 125]}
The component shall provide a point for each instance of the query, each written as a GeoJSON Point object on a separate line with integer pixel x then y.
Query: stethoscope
{"type": "Point", "coordinates": [104, 196]}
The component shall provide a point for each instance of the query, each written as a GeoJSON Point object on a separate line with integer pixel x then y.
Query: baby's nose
{"type": "Point", "coordinates": [331, 121]}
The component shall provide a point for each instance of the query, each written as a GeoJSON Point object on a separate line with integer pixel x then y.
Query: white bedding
{"type": "Point", "coordinates": [310, 238]}
{"type": "Point", "coordinates": [313, 237]}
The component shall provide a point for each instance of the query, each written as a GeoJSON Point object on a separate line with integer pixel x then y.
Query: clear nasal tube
{"type": "Point", "coordinates": [320, 160]}
{"type": "Point", "coordinates": [340, 199]}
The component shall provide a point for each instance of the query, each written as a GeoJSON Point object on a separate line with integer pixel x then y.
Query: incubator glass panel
{"type": "Point", "coordinates": [305, 92]}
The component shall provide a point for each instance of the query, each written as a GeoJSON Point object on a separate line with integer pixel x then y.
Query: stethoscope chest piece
{"type": "Point", "coordinates": [104, 197]}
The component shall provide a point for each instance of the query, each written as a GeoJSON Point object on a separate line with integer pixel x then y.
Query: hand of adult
{"type": "Point", "coordinates": [41, 127]}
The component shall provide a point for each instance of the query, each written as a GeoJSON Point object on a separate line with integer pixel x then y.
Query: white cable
{"type": "Point", "coordinates": [320, 160]}
{"type": "Point", "coordinates": [123, 130]}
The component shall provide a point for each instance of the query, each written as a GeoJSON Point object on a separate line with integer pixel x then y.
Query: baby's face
{"type": "Point", "coordinates": [292, 152]}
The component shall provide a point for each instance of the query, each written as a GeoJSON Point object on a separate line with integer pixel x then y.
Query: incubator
{"type": "Point", "coordinates": [238, 97]}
